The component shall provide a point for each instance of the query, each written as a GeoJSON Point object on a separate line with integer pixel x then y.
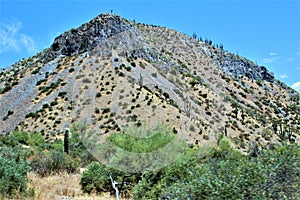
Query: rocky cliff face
{"type": "Point", "coordinates": [238, 66]}
{"type": "Point", "coordinates": [87, 36]}
{"type": "Point", "coordinates": [90, 35]}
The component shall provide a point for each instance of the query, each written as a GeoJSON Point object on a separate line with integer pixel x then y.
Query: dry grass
{"type": "Point", "coordinates": [63, 186]}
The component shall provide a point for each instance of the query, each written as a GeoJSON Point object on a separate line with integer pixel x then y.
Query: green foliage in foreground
{"type": "Point", "coordinates": [220, 172]}
{"type": "Point", "coordinates": [45, 158]}
{"type": "Point", "coordinates": [96, 178]}
{"type": "Point", "coordinates": [226, 174]}
{"type": "Point", "coordinates": [13, 172]}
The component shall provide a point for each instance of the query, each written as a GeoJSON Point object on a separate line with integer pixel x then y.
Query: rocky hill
{"type": "Point", "coordinates": [111, 72]}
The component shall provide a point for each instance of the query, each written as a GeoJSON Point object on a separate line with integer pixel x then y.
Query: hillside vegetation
{"type": "Point", "coordinates": [200, 173]}
{"type": "Point", "coordinates": [191, 120]}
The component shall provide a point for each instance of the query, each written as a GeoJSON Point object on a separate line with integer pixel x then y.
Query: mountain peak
{"type": "Point", "coordinates": [111, 72]}
{"type": "Point", "coordinates": [88, 36]}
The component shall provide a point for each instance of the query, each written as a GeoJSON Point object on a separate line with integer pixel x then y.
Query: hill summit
{"type": "Point", "coordinates": [111, 72]}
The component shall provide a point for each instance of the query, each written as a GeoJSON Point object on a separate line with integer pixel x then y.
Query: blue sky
{"type": "Point", "coordinates": [267, 32]}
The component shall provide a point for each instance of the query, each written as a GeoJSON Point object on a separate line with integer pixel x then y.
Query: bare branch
{"type": "Point", "coordinates": [114, 186]}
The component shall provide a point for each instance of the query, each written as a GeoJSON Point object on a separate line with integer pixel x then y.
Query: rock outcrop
{"type": "Point", "coordinates": [88, 35]}
{"type": "Point", "coordinates": [243, 67]}
{"type": "Point", "coordinates": [238, 66]}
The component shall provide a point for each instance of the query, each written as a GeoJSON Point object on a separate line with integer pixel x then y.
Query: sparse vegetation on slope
{"type": "Point", "coordinates": [133, 73]}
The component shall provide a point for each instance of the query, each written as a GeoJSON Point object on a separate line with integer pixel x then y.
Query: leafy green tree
{"type": "Point", "coordinates": [13, 173]}
{"type": "Point", "coordinates": [96, 178]}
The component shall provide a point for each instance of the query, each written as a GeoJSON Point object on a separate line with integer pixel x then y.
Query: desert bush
{"type": "Point", "coordinates": [36, 140]}
{"type": "Point", "coordinates": [259, 82]}
{"type": "Point", "coordinates": [86, 80]}
{"type": "Point", "coordinates": [193, 82]}
{"type": "Point", "coordinates": [5, 89]}
{"type": "Point", "coordinates": [62, 94]}
{"type": "Point", "coordinates": [98, 94]}
{"type": "Point", "coordinates": [71, 69]}
{"type": "Point", "coordinates": [53, 162]}
{"type": "Point", "coordinates": [133, 64]}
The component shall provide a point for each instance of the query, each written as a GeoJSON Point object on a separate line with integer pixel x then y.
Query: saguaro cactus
{"type": "Point", "coordinates": [66, 142]}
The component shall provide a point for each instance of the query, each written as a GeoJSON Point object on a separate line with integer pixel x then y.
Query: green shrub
{"type": "Point", "coordinates": [53, 162]}
{"type": "Point", "coordinates": [13, 173]}
{"type": "Point", "coordinates": [21, 137]}
{"type": "Point", "coordinates": [36, 140]}
{"type": "Point", "coordinates": [15, 138]}
{"type": "Point", "coordinates": [193, 82]}
{"type": "Point", "coordinates": [62, 94]}
{"type": "Point", "coordinates": [32, 114]}
{"type": "Point", "coordinates": [141, 145]}
{"type": "Point", "coordinates": [98, 94]}
{"type": "Point", "coordinates": [86, 80]}
{"type": "Point", "coordinates": [57, 145]}
{"type": "Point", "coordinates": [259, 82]}
{"type": "Point", "coordinates": [5, 89]}
{"type": "Point", "coordinates": [105, 110]}
{"type": "Point", "coordinates": [133, 64]}
{"type": "Point", "coordinates": [71, 70]}
{"type": "Point", "coordinates": [226, 173]}
{"type": "Point", "coordinates": [96, 178]}
{"type": "Point", "coordinates": [46, 105]}
{"type": "Point", "coordinates": [128, 68]}
{"type": "Point", "coordinates": [54, 103]}
{"type": "Point", "coordinates": [10, 112]}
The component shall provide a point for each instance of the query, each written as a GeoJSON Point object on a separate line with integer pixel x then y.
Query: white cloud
{"type": "Point", "coordinates": [296, 86]}
{"type": "Point", "coordinates": [28, 43]}
{"type": "Point", "coordinates": [298, 53]}
{"type": "Point", "coordinates": [11, 38]}
{"type": "Point", "coordinates": [270, 60]}
{"type": "Point", "coordinates": [283, 76]}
